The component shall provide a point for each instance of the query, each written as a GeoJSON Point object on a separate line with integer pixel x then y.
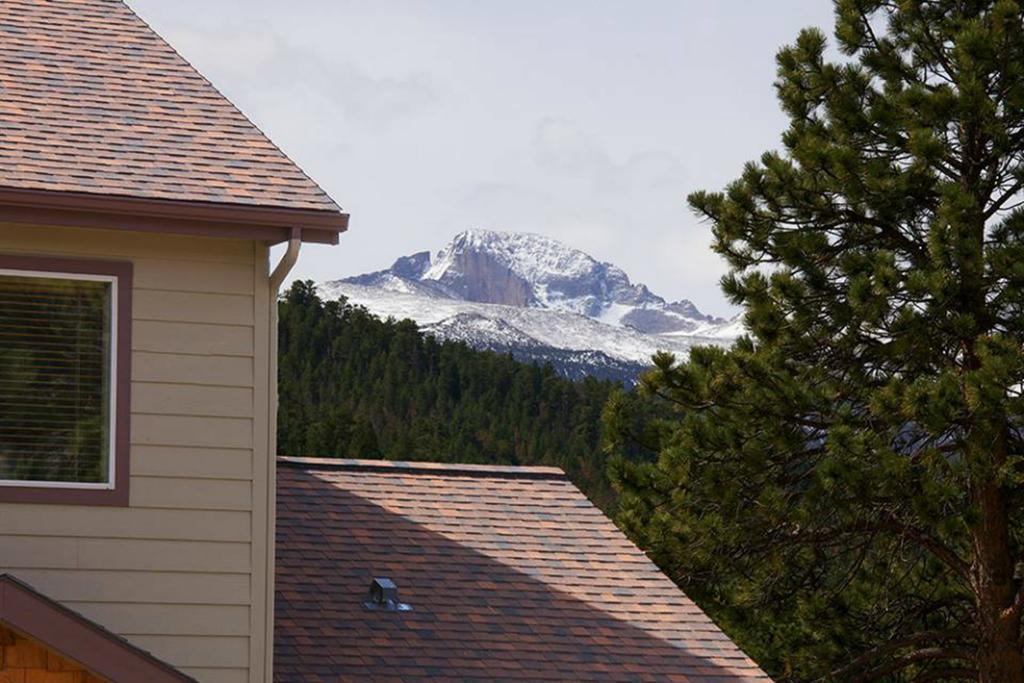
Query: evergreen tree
{"type": "Point", "coordinates": [843, 487]}
{"type": "Point", "coordinates": [355, 386]}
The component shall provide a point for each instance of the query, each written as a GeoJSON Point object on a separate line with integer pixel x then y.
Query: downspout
{"type": "Point", "coordinates": [277, 277]}
{"type": "Point", "coordinates": [284, 266]}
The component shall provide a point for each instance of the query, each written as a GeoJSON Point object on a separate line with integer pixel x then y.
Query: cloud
{"type": "Point", "coordinates": [302, 86]}
{"type": "Point", "coordinates": [425, 119]}
{"type": "Point", "coordinates": [653, 169]}
{"type": "Point", "coordinates": [560, 146]}
{"type": "Point", "coordinates": [563, 148]}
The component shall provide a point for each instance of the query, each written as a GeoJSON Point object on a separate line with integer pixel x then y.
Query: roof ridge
{"type": "Point", "coordinates": [426, 468]}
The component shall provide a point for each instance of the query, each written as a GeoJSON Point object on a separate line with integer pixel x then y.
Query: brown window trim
{"type": "Point", "coordinates": [118, 495]}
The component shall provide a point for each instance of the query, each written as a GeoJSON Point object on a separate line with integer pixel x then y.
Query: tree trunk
{"type": "Point", "coordinates": [998, 617]}
{"type": "Point", "coordinates": [1000, 657]}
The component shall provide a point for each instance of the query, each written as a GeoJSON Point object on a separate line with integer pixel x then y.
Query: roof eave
{"type": "Point", "coordinates": [211, 219]}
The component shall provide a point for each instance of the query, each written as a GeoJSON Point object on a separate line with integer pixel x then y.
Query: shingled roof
{"type": "Point", "coordinates": [93, 101]}
{"type": "Point", "coordinates": [510, 574]}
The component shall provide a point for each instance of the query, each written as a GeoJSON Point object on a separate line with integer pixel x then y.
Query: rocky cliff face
{"type": "Point", "coordinates": [476, 275]}
{"type": "Point", "coordinates": [543, 272]}
{"type": "Point", "coordinates": [412, 267]}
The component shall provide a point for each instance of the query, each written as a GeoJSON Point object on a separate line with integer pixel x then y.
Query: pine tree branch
{"type": "Point", "coordinates": [939, 53]}
{"type": "Point", "coordinates": [954, 655]}
{"type": "Point", "coordinates": [882, 652]}
{"type": "Point", "coordinates": [935, 547]}
{"type": "Point", "coordinates": [998, 204]}
{"type": "Point", "coordinates": [892, 525]}
{"type": "Point", "coordinates": [870, 30]}
{"type": "Point", "coordinates": [946, 673]}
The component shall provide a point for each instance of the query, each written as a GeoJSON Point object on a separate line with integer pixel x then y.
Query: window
{"type": "Point", "coordinates": [64, 377]}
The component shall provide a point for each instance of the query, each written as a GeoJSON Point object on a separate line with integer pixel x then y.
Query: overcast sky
{"type": "Point", "coordinates": [585, 120]}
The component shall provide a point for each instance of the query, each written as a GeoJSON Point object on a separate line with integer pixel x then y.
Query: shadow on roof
{"type": "Point", "coordinates": [472, 618]}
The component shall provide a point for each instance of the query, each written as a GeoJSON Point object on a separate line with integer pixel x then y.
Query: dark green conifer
{"type": "Point", "coordinates": [843, 488]}
{"type": "Point", "coordinates": [352, 385]}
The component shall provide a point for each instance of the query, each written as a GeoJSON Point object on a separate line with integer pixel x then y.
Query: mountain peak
{"type": "Point", "coordinates": [412, 267]}
{"type": "Point", "coordinates": [528, 270]}
{"type": "Point", "coordinates": [535, 259]}
{"type": "Point", "coordinates": [538, 299]}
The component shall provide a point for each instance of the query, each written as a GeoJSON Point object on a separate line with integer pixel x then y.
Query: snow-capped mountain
{"type": "Point", "coordinates": [538, 299]}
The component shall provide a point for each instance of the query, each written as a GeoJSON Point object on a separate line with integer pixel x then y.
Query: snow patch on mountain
{"type": "Point", "coordinates": [481, 331]}
{"type": "Point", "coordinates": [511, 325]}
{"type": "Point", "coordinates": [535, 258]}
{"type": "Point", "coordinates": [728, 331]}
{"type": "Point", "coordinates": [538, 299]}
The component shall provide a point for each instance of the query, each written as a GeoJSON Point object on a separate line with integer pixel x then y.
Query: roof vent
{"type": "Point", "coordinates": [383, 597]}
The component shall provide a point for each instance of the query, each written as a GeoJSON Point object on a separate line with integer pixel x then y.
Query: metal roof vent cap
{"type": "Point", "coordinates": [383, 597]}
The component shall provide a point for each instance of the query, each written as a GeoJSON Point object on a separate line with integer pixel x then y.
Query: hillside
{"type": "Point", "coordinates": [354, 385]}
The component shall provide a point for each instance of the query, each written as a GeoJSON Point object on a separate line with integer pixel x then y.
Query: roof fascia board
{"type": "Point", "coordinates": [77, 209]}
{"type": "Point", "coordinates": [70, 634]}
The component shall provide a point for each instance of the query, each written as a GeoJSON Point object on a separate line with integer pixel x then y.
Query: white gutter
{"type": "Point", "coordinates": [280, 272]}
{"type": "Point", "coordinates": [284, 266]}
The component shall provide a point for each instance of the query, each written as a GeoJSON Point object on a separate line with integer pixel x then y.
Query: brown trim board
{"type": "Point", "coordinates": [29, 612]}
{"type": "Point", "coordinates": [211, 219]}
{"type": "Point", "coordinates": [117, 496]}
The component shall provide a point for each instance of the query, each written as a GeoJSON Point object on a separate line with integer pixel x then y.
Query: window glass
{"type": "Point", "coordinates": [55, 378]}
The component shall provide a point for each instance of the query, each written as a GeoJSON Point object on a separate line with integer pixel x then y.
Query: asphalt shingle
{"type": "Point", "coordinates": [92, 100]}
{"type": "Point", "coordinates": [509, 578]}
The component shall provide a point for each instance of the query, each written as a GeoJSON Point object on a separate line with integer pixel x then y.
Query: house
{"type": "Point", "coordinates": [138, 419]}
{"type": "Point", "coordinates": [137, 374]}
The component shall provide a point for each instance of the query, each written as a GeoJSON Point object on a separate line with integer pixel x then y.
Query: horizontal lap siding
{"type": "Point", "coordinates": [198, 651]}
{"type": "Point", "coordinates": [147, 619]}
{"type": "Point", "coordinates": [137, 521]}
{"type": "Point", "coordinates": [128, 554]}
{"type": "Point", "coordinates": [153, 398]}
{"type": "Point", "coordinates": [216, 675]}
{"type": "Point", "coordinates": [194, 463]}
{"type": "Point", "coordinates": [222, 371]}
{"type": "Point", "coordinates": [173, 572]}
{"type": "Point", "coordinates": [191, 339]}
{"type": "Point", "coordinates": [116, 586]}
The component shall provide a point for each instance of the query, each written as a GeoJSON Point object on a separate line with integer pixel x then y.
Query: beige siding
{"type": "Point", "coordinates": [163, 619]}
{"type": "Point", "coordinates": [191, 399]}
{"type": "Point", "coordinates": [204, 340]}
{"type": "Point", "coordinates": [178, 368]}
{"type": "Point", "coordinates": [216, 675]}
{"type": "Point", "coordinates": [196, 651]}
{"type": "Point", "coordinates": [181, 571]}
{"type": "Point", "coordinates": [265, 448]}
{"type": "Point", "coordinates": [152, 523]}
{"type": "Point", "coordinates": [187, 430]}
{"type": "Point", "coordinates": [195, 463]}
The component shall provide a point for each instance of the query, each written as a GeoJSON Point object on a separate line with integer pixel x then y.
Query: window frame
{"type": "Point", "coordinates": [114, 491]}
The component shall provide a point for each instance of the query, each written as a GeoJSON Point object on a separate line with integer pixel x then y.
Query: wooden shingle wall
{"type": "Point", "coordinates": [23, 661]}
